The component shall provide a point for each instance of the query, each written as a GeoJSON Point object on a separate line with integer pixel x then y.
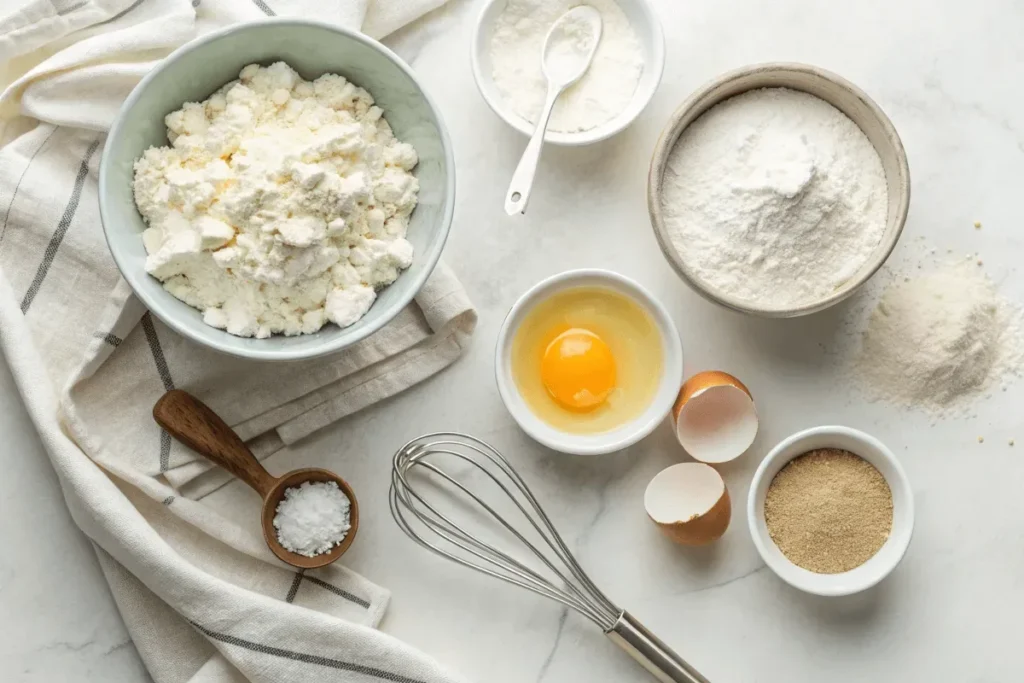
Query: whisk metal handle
{"type": "Point", "coordinates": [651, 653]}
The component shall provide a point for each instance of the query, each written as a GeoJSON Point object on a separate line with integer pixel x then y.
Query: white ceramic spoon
{"type": "Point", "coordinates": [568, 51]}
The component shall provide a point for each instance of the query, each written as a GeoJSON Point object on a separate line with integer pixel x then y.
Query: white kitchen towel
{"type": "Point", "coordinates": [204, 600]}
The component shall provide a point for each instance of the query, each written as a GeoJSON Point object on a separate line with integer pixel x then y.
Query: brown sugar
{"type": "Point", "coordinates": [828, 510]}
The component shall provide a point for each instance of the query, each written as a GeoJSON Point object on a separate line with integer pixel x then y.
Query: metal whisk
{"type": "Point", "coordinates": [415, 507]}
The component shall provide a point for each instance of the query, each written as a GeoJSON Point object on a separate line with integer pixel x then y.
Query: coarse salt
{"type": "Point", "coordinates": [312, 518]}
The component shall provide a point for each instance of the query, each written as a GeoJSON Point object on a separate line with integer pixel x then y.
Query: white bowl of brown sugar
{"type": "Point", "coordinates": [831, 511]}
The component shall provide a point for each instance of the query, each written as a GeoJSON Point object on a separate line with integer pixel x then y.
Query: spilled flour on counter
{"type": "Point", "coordinates": [937, 339]}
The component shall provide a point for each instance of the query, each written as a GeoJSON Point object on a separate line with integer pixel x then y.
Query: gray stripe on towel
{"type": "Point", "coordinates": [111, 339]}
{"type": "Point", "coordinates": [165, 377]}
{"type": "Point", "coordinates": [158, 351]}
{"type": "Point", "coordinates": [338, 591]}
{"type": "Point", "coordinates": [165, 450]}
{"type": "Point", "coordinates": [123, 12]}
{"type": "Point", "coordinates": [68, 10]}
{"type": "Point", "coordinates": [296, 582]}
{"type": "Point", "coordinates": [302, 657]}
{"type": "Point", "coordinates": [265, 8]}
{"type": "Point", "coordinates": [62, 228]}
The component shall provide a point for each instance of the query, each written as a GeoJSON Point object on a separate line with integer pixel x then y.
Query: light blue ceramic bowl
{"type": "Point", "coordinates": [191, 74]}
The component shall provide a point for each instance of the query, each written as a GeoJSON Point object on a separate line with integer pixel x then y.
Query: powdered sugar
{"type": "Point", "coordinates": [937, 339]}
{"type": "Point", "coordinates": [774, 197]}
{"type": "Point", "coordinates": [603, 92]}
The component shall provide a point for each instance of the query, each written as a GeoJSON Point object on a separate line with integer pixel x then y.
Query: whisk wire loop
{"type": "Point", "coordinates": [576, 591]}
{"type": "Point", "coordinates": [534, 586]}
{"type": "Point", "coordinates": [424, 523]}
{"type": "Point", "coordinates": [490, 550]}
{"type": "Point", "coordinates": [552, 536]}
{"type": "Point", "coordinates": [452, 533]}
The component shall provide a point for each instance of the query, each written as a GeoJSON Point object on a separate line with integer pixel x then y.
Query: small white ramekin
{"type": "Point", "coordinates": [652, 41]}
{"type": "Point", "coordinates": [604, 442]}
{"type": "Point", "coordinates": [884, 561]}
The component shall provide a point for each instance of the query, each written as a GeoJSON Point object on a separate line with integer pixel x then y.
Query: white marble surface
{"type": "Point", "coordinates": [945, 72]}
{"type": "Point", "coordinates": [58, 621]}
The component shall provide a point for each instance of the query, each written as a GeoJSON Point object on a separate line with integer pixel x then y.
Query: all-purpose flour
{"type": "Point", "coordinates": [280, 205]}
{"type": "Point", "coordinates": [774, 197]}
{"type": "Point", "coordinates": [603, 92]}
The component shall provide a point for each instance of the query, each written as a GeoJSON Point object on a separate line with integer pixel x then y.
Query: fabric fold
{"type": "Point", "coordinates": [203, 598]}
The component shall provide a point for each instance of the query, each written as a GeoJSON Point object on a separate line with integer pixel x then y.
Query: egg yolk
{"type": "Point", "coordinates": [578, 369]}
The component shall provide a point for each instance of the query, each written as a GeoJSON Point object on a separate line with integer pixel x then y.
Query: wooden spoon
{"type": "Point", "coordinates": [191, 422]}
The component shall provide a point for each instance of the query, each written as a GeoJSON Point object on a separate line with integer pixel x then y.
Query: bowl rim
{"type": "Point", "coordinates": [580, 138]}
{"type": "Point", "coordinates": [625, 435]}
{"type": "Point", "coordinates": [229, 347]}
{"type": "Point", "coordinates": [674, 128]}
{"type": "Point", "coordinates": [790, 572]}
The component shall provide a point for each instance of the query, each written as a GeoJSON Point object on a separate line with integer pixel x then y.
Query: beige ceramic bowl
{"type": "Point", "coordinates": [841, 94]}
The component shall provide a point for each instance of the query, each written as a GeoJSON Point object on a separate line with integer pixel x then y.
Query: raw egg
{"type": "Point", "coordinates": [578, 369]}
{"type": "Point", "coordinates": [587, 360]}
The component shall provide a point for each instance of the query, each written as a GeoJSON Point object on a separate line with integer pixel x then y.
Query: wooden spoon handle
{"type": "Point", "coordinates": [191, 422]}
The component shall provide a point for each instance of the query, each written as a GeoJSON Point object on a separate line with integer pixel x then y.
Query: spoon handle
{"type": "Point", "coordinates": [191, 422]}
{"type": "Point", "coordinates": [522, 180]}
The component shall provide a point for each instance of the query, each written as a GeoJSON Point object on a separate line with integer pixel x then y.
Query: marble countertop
{"type": "Point", "coordinates": [944, 72]}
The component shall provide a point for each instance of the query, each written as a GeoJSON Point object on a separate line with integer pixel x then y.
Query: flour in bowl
{"type": "Point", "coordinates": [774, 197]}
{"type": "Point", "coordinates": [280, 205]}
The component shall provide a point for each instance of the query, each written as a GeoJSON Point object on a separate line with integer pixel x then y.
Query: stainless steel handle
{"type": "Point", "coordinates": [651, 653]}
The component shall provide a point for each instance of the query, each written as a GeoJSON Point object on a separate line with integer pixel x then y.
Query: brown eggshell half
{"type": "Point", "coordinates": [714, 417]}
{"type": "Point", "coordinates": [690, 503]}
{"type": "Point", "coordinates": [702, 381]}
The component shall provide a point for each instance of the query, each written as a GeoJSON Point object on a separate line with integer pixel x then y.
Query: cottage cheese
{"type": "Point", "coordinates": [280, 205]}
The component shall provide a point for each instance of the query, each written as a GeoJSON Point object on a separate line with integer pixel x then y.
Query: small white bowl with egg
{"type": "Point", "coordinates": [650, 42]}
{"type": "Point", "coordinates": [642, 390]}
{"type": "Point", "coordinates": [879, 565]}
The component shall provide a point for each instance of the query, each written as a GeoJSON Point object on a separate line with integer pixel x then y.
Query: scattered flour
{"type": "Point", "coordinates": [312, 518]}
{"type": "Point", "coordinates": [774, 197]}
{"type": "Point", "coordinates": [603, 92]}
{"type": "Point", "coordinates": [280, 205]}
{"type": "Point", "coordinates": [937, 339]}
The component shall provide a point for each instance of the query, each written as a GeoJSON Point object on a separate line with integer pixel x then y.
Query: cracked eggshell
{"type": "Point", "coordinates": [714, 417]}
{"type": "Point", "coordinates": [690, 503]}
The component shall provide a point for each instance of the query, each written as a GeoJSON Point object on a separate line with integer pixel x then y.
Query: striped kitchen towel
{"type": "Point", "coordinates": [204, 600]}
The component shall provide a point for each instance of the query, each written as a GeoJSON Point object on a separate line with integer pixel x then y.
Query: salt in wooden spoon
{"type": "Point", "coordinates": [191, 422]}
